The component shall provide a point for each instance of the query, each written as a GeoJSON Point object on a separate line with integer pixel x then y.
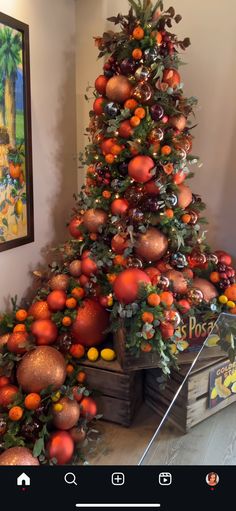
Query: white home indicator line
{"type": "Point", "coordinates": [119, 505]}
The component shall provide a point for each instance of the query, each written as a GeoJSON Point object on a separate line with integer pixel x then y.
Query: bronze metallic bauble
{"type": "Point", "coordinates": [68, 417]}
{"type": "Point", "coordinates": [40, 368]}
{"type": "Point", "coordinates": [18, 456]}
{"type": "Point", "coordinates": [78, 434]}
{"type": "Point", "coordinates": [152, 245]}
{"type": "Point", "coordinates": [177, 281]}
{"type": "Point", "coordinates": [178, 122]}
{"type": "Point", "coordinates": [118, 89]}
{"type": "Point", "coordinates": [94, 219]}
{"type": "Point", "coordinates": [209, 291]}
{"type": "Point", "coordinates": [75, 268]}
{"type": "Point", "coordinates": [184, 196]}
{"type": "Point", "coordinates": [59, 282]}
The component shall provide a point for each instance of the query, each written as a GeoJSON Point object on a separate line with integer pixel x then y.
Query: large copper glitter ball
{"type": "Point", "coordinates": [59, 282]}
{"type": "Point", "coordinates": [40, 368]}
{"type": "Point", "coordinates": [208, 290]}
{"type": "Point", "coordinates": [185, 196]}
{"type": "Point", "coordinates": [152, 245]}
{"type": "Point", "coordinates": [18, 456]}
{"type": "Point", "coordinates": [90, 323]}
{"type": "Point", "coordinates": [177, 281]}
{"type": "Point", "coordinates": [68, 417]}
{"type": "Point", "coordinates": [94, 219]}
{"type": "Point", "coordinates": [118, 89]}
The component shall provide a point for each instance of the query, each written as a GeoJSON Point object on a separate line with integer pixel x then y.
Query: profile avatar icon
{"type": "Point", "coordinates": [212, 479]}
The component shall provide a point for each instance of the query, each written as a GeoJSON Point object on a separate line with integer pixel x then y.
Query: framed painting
{"type": "Point", "coordinates": [16, 183]}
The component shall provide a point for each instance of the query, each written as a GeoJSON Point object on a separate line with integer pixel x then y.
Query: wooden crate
{"type": "Point", "coordinates": [118, 394]}
{"type": "Point", "coordinates": [191, 406]}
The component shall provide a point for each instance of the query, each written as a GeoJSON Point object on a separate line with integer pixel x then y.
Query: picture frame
{"type": "Point", "coordinates": [16, 169]}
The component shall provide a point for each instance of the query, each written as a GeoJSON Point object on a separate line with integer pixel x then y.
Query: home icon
{"type": "Point", "coordinates": [23, 480]}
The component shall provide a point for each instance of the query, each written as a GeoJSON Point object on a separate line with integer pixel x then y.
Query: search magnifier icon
{"type": "Point", "coordinates": [70, 478]}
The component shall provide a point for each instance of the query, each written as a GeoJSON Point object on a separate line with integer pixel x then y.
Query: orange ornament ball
{"type": "Point", "coordinates": [61, 447]}
{"type": "Point", "coordinates": [119, 207]}
{"type": "Point", "coordinates": [140, 168]}
{"type": "Point", "coordinates": [94, 219]}
{"type": "Point", "coordinates": [208, 290]}
{"type": "Point", "coordinates": [18, 342]}
{"type": "Point", "coordinates": [178, 281]}
{"type": "Point", "coordinates": [90, 324]}
{"type": "Point", "coordinates": [40, 310]}
{"type": "Point", "coordinates": [19, 456]}
{"type": "Point", "coordinates": [230, 292]}
{"type": "Point", "coordinates": [125, 129]}
{"type": "Point", "coordinates": [118, 89]}
{"type": "Point", "coordinates": [88, 408]}
{"type": "Point", "coordinates": [127, 284]}
{"type": "Point", "coordinates": [167, 330]}
{"type": "Point", "coordinates": [74, 227]}
{"type": "Point", "coordinates": [7, 395]}
{"type": "Point", "coordinates": [68, 417]}
{"type": "Point", "coordinates": [88, 267]}
{"type": "Point", "coordinates": [151, 245]}
{"type": "Point", "coordinates": [107, 145]}
{"type": "Point", "coordinates": [185, 196]}
{"type": "Point", "coordinates": [119, 243]}
{"type": "Point", "coordinates": [40, 368]}
{"type": "Point", "coordinates": [57, 300]}
{"type": "Point", "coordinates": [45, 331]}
{"type": "Point", "coordinates": [98, 106]}
{"type": "Point", "coordinates": [100, 84]}
{"type": "Point", "coordinates": [171, 77]}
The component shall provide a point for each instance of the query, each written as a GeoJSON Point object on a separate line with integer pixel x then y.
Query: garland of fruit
{"type": "Point", "coordinates": [137, 258]}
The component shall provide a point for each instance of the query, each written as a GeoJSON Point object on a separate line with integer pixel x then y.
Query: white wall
{"type": "Point", "coordinates": [52, 45]}
{"type": "Point", "coordinates": [210, 75]}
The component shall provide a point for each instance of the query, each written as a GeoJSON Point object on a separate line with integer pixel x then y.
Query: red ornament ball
{"type": "Point", "coordinates": [100, 84]}
{"type": "Point", "coordinates": [140, 168]}
{"type": "Point", "coordinates": [118, 89]}
{"type": "Point", "coordinates": [223, 257]}
{"type": "Point", "coordinates": [57, 300]}
{"type": "Point", "coordinates": [107, 144]}
{"type": "Point", "coordinates": [88, 267]}
{"type": "Point", "coordinates": [185, 306]}
{"type": "Point", "coordinates": [98, 106]}
{"type": "Point", "coordinates": [90, 323]}
{"type": "Point", "coordinates": [18, 342]}
{"type": "Point", "coordinates": [61, 447]}
{"type": "Point", "coordinates": [7, 395]}
{"type": "Point", "coordinates": [185, 196]}
{"type": "Point", "coordinates": [74, 227]}
{"type": "Point", "coordinates": [88, 408]}
{"type": "Point", "coordinates": [171, 77]}
{"type": "Point", "coordinates": [119, 243]}
{"type": "Point", "coordinates": [119, 207]}
{"type": "Point", "coordinates": [208, 290]}
{"type": "Point", "coordinates": [151, 188]}
{"type": "Point", "coordinates": [40, 310]}
{"type": "Point", "coordinates": [45, 331]}
{"type": "Point", "coordinates": [125, 129]}
{"type": "Point", "coordinates": [127, 284]}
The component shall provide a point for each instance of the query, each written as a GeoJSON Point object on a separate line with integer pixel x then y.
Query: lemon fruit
{"type": "Point", "coordinates": [212, 341]}
{"type": "Point", "coordinates": [19, 207]}
{"type": "Point", "coordinates": [108, 354]}
{"type": "Point", "coordinates": [173, 348]}
{"type": "Point", "coordinates": [93, 354]}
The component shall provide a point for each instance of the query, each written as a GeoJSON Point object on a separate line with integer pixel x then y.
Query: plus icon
{"type": "Point", "coordinates": [118, 479]}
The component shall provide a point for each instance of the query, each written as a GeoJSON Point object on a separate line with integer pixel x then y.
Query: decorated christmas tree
{"type": "Point", "coordinates": [137, 260]}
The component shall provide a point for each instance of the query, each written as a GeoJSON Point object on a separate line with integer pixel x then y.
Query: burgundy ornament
{"type": "Point", "coordinates": [157, 112]}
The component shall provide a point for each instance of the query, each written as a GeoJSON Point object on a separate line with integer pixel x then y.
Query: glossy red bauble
{"type": "Point", "coordinates": [223, 257]}
{"type": "Point", "coordinates": [167, 330]}
{"type": "Point", "coordinates": [7, 395]}
{"type": "Point", "coordinates": [18, 342]}
{"type": "Point", "coordinates": [127, 284]}
{"type": "Point", "coordinates": [107, 144]}
{"type": "Point", "coordinates": [151, 188]}
{"type": "Point", "coordinates": [119, 243]}
{"type": "Point", "coordinates": [140, 168]}
{"type": "Point", "coordinates": [185, 306]}
{"type": "Point", "coordinates": [119, 207]}
{"type": "Point", "coordinates": [179, 178]}
{"type": "Point", "coordinates": [125, 129]}
{"type": "Point", "coordinates": [90, 324]}
{"type": "Point", "coordinates": [88, 267]}
{"type": "Point", "coordinates": [171, 77]}
{"type": "Point", "coordinates": [98, 106]}
{"type": "Point", "coordinates": [74, 227]}
{"type": "Point", "coordinates": [61, 447]}
{"type": "Point", "coordinates": [153, 274]}
{"type": "Point", "coordinates": [100, 84]}
{"type": "Point", "coordinates": [185, 196]}
{"type": "Point", "coordinates": [45, 331]}
{"type": "Point", "coordinates": [56, 300]}
{"type": "Point", "coordinates": [88, 408]}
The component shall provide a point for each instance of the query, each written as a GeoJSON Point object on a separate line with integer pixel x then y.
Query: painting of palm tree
{"type": "Point", "coordinates": [16, 206]}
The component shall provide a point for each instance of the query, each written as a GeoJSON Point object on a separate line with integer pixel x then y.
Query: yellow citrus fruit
{"type": "Point", "coordinates": [214, 393]}
{"type": "Point", "coordinates": [56, 397]}
{"type": "Point", "coordinates": [223, 299]}
{"type": "Point", "coordinates": [19, 207]}
{"type": "Point", "coordinates": [227, 381]}
{"type": "Point", "coordinates": [108, 354]}
{"type": "Point", "coordinates": [173, 348]}
{"type": "Point", "coordinates": [58, 407]}
{"type": "Point", "coordinates": [93, 354]}
{"type": "Point", "coordinates": [230, 304]}
{"type": "Point", "coordinates": [212, 341]}
{"type": "Point", "coordinates": [233, 388]}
